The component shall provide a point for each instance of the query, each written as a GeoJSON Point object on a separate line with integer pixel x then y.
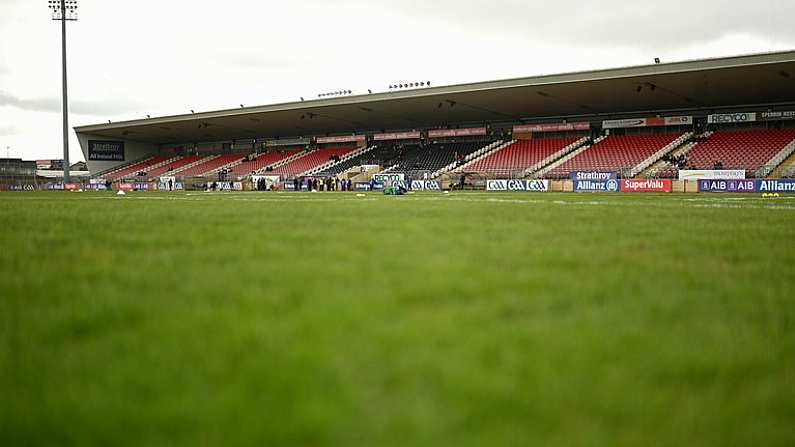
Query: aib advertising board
{"type": "Point", "coordinates": [727, 186]}
{"type": "Point", "coordinates": [595, 181]}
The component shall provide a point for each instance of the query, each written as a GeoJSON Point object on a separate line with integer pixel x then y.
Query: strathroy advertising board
{"type": "Point", "coordinates": [595, 181]}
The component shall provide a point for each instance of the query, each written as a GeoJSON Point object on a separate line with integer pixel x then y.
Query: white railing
{"type": "Point", "coordinates": [555, 156]}
{"type": "Point", "coordinates": [660, 153]}
{"type": "Point", "coordinates": [779, 158]}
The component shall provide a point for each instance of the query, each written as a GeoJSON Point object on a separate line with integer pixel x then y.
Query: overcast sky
{"type": "Point", "coordinates": [133, 58]}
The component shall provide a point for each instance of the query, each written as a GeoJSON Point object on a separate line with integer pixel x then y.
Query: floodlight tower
{"type": "Point", "coordinates": [64, 10]}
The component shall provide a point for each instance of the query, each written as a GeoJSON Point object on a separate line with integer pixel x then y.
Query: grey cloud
{"type": "Point", "coordinates": [643, 24]}
{"type": "Point", "coordinates": [8, 130]}
{"type": "Point", "coordinates": [77, 106]}
{"type": "Point", "coordinates": [33, 105]}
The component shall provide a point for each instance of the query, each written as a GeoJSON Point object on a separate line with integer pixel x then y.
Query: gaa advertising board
{"type": "Point", "coordinates": [101, 150]}
{"type": "Point", "coordinates": [517, 185]}
{"type": "Point", "coordinates": [707, 174]}
{"type": "Point", "coordinates": [595, 181]}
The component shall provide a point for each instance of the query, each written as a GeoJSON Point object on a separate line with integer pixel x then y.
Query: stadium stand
{"type": "Point", "coordinates": [261, 162]}
{"type": "Point", "coordinates": [213, 164]}
{"type": "Point", "coordinates": [523, 155]}
{"type": "Point", "coordinates": [757, 151]}
{"type": "Point", "coordinates": [370, 156]}
{"type": "Point", "coordinates": [621, 153]}
{"type": "Point", "coordinates": [415, 158]}
{"type": "Point", "coordinates": [174, 166]}
{"type": "Point", "coordinates": [143, 166]}
{"type": "Point", "coordinates": [311, 160]}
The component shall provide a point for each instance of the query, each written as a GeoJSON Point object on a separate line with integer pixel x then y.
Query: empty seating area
{"type": "Point", "coordinates": [615, 153]}
{"type": "Point", "coordinates": [174, 166]}
{"type": "Point", "coordinates": [211, 165]}
{"type": "Point", "coordinates": [520, 155]}
{"type": "Point", "coordinates": [739, 149]}
{"type": "Point", "coordinates": [262, 161]}
{"type": "Point", "coordinates": [432, 157]}
{"type": "Point", "coordinates": [132, 170]}
{"type": "Point", "coordinates": [311, 160]}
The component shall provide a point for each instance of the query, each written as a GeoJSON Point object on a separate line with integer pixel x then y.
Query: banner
{"type": "Point", "coordinates": [397, 136]}
{"type": "Point", "coordinates": [426, 185]}
{"type": "Point", "coordinates": [559, 127]}
{"type": "Point", "coordinates": [361, 186]}
{"type": "Point", "coordinates": [517, 185]}
{"type": "Point", "coordinates": [43, 164]}
{"type": "Point", "coordinates": [708, 174]}
{"type": "Point", "coordinates": [227, 186]}
{"type": "Point", "coordinates": [170, 184]}
{"type": "Point", "coordinates": [142, 186]}
{"type": "Point", "coordinates": [648, 122]}
{"type": "Point", "coordinates": [595, 181]}
{"type": "Point", "coordinates": [288, 142]}
{"type": "Point", "coordinates": [727, 186]}
{"type": "Point", "coordinates": [341, 139]}
{"type": "Point", "coordinates": [728, 118]}
{"type": "Point", "coordinates": [601, 176]}
{"type": "Point", "coordinates": [472, 131]}
{"type": "Point", "coordinates": [775, 185]}
{"type": "Point", "coordinates": [99, 150]}
{"type": "Point", "coordinates": [778, 116]}
{"type": "Point", "coordinates": [389, 178]}
{"type": "Point", "coordinates": [630, 185]}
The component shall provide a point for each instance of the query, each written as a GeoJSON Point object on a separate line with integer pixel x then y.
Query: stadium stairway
{"type": "Point", "coordinates": [557, 155]}
{"type": "Point", "coordinates": [281, 162]}
{"type": "Point", "coordinates": [616, 153]}
{"type": "Point", "coordinates": [211, 164]}
{"type": "Point", "coordinates": [663, 169]}
{"type": "Point", "coordinates": [111, 171]}
{"type": "Point", "coordinates": [786, 169]}
{"type": "Point", "coordinates": [483, 153]}
{"type": "Point", "coordinates": [771, 165]}
{"type": "Point", "coordinates": [309, 160]}
{"type": "Point", "coordinates": [657, 156]}
{"type": "Point", "coordinates": [175, 166]}
{"type": "Point", "coordinates": [484, 150]}
{"type": "Point", "coordinates": [555, 164]}
{"type": "Point", "coordinates": [153, 163]}
{"type": "Point", "coordinates": [350, 156]}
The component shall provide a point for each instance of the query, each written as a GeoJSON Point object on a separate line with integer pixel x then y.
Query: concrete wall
{"type": "Point", "coordinates": [133, 150]}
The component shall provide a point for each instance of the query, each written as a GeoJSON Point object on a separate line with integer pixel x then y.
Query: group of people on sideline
{"type": "Point", "coordinates": [322, 184]}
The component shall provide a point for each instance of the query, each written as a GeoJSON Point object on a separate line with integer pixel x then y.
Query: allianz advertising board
{"type": "Point", "coordinates": [771, 185]}
{"type": "Point", "coordinates": [517, 185]}
{"type": "Point", "coordinates": [595, 181]}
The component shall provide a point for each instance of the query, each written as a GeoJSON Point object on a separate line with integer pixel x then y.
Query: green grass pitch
{"type": "Point", "coordinates": [279, 319]}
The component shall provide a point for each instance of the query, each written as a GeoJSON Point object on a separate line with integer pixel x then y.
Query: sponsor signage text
{"type": "Point", "coordinates": [558, 127]}
{"type": "Point", "coordinates": [457, 132]}
{"type": "Point", "coordinates": [100, 150]}
{"type": "Point", "coordinates": [341, 139]}
{"type": "Point", "coordinates": [517, 185]}
{"type": "Point", "coordinates": [397, 136]}
{"type": "Point", "coordinates": [647, 185]}
{"type": "Point", "coordinates": [707, 174]}
{"type": "Point", "coordinates": [728, 118]}
{"type": "Point", "coordinates": [727, 186]}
